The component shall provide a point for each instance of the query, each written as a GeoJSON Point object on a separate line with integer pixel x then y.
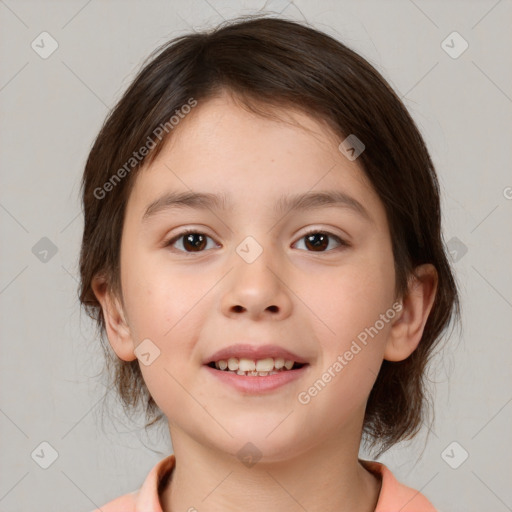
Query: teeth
{"type": "Point", "coordinates": [233, 363]}
{"type": "Point", "coordinates": [247, 365]}
{"type": "Point", "coordinates": [260, 367]}
{"type": "Point", "coordinates": [265, 365]}
{"type": "Point", "coordinates": [278, 363]}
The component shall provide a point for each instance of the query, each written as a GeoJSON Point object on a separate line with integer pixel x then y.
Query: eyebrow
{"type": "Point", "coordinates": [285, 204]}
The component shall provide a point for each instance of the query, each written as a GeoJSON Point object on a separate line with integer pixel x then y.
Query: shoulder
{"type": "Point", "coordinates": [125, 503]}
{"type": "Point", "coordinates": [395, 496]}
{"type": "Point", "coordinates": [147, 497]}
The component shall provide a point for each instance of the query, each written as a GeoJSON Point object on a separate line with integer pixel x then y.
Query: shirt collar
{"type": "Point", "coordinates": [392, 495]}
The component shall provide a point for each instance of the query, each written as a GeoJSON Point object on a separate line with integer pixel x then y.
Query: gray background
{"type": "Point", "coordinates": [51, 110]}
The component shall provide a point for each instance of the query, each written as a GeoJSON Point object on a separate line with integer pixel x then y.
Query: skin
{"type": "Point", "coordinates": [311, 302]}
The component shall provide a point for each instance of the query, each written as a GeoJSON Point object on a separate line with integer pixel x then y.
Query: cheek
{"type": "Point", "coordinates": [352, 299]}
{"type": "Point", "coordinates": [163, 305]}
{"type": "Point", "coordinates": [156, 297]}
{"type": "Point", "coordinates": [357, 308]}
{"type": "Point", "coordinates": [360, 315]}
{"type": "Point", "coordinates": [160, 308]}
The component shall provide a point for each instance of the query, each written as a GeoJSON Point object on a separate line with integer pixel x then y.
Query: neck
{"type": "Point", "coordinates": [326, 477]}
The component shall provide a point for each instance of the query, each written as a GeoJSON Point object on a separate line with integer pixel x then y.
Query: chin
{"type": "Point", "coordinates": [268, 440]}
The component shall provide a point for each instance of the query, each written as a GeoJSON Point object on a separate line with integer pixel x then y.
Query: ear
{"type": "Point", "coordinates": [407, 329]}
{"type": "Point", "coordinates": [118, 331]}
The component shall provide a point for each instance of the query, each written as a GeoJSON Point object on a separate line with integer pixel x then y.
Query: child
{"type": "Point", "coordinates": [262, 247]}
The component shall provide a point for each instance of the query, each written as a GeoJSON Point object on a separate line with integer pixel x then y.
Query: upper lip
{"type": "Point", "coordinates": [254, 352]}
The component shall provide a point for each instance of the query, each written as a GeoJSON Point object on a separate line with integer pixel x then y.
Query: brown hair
{"type": "Point", "coordinates": [266, 62]}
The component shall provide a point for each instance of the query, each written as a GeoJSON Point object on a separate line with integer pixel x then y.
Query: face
{"type": "Point", "coordinates": [311, 280]}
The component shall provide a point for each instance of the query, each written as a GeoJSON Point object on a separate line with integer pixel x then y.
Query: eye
{"type": "Point", "coordinates": [192, 239]}
{"type": "Point", "coordinates": [319, 240]}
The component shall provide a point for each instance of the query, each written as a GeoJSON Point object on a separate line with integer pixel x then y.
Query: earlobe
{"type": "Point", "coordinates": [407, 329]}
{"type": "Point", "coordinates": [116, 326]}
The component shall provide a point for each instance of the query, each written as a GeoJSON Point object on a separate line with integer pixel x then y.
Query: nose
{"type": "Point", "coordinates": [257, 289]}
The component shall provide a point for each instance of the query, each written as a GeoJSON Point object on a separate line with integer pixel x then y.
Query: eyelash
{"type": "Point", "coordinates": [175, 238]}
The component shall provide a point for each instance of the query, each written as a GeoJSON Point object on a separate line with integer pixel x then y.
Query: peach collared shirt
{"type": "Point", "coordinates": [393, 497]}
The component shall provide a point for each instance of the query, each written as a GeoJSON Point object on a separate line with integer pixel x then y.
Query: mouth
{"type": "Point", "coordinates": [256, 376]}
{"type": "Point", "coordinates": [255, 367]}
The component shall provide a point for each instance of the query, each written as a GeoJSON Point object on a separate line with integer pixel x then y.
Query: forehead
{"type": "Point", "coordinates": [222, 148]}
{"type": "Point", "coordinates": [281, 130]}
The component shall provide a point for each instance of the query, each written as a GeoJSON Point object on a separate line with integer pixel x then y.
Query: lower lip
{"type": "Point", "coordinates": [254, 384]}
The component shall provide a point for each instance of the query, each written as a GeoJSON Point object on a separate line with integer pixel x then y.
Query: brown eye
{"type": "Point", "coordinates": [192, 241]}
{"type": "Point", "coordinates": [318, 241]}
{"type": "Point", "coordinates": [196, 242]}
